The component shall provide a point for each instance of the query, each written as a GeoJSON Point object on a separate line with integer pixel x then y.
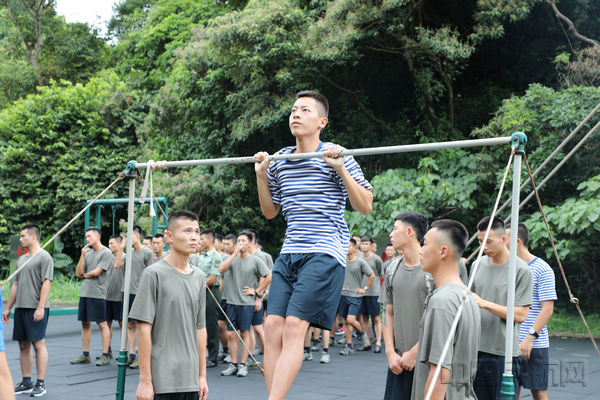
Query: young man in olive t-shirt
{"type": "Point", "coordinates": [170, 310]}
{"type": "Point", "coordinates": [440, 254]}
{"type": "Point", "coordinates": [405, 288]}
{"type": "Point", "coordinates": [95, 260]}
{"type": "Point", "coordinates": [29, 293]}
{"type": "Point", "coordinates": [490, 291]}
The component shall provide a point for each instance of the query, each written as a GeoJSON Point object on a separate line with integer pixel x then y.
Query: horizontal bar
{"type": "Point", "coordinates": [369, 151]}
{"type": "Point", "coordinates": [125, 201]}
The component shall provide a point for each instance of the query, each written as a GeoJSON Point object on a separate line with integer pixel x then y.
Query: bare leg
{"type": "Point", "coordinates": [41, 358]}
{"type": "Point", "coordinates": [378, 330]}
{"type": "Point", "coordinates": [539, 394]}
{"type": "Point", "coordinates": [223, 333]}
{"type": "Point", "coordinates": [86, 335]}
{"type": "Point", "coordinates": [290, 358]}
{"type": "Point", "coordinates": [131, 336]}
{"type": "Point", "coordinates": [325, 338]}
{"type": "Point", "coordinates": [233, 346]}
{"type": "Point", "coordinates": [7, 386]}
{"type": "Point", "coordinates": [251, 342]}
{"type": "Point", "coordinates": [260, 337]}
{"type": "Point", "coordinates": [246, 338]}
{"type": "Point", "coordinates": [105, 336]}
{"type": "Point", "coordinates": [364, 324]}
{"type": "Point", "coordinates": [26, 358]}
{"type": "Point", "coordinates": [273, 332]}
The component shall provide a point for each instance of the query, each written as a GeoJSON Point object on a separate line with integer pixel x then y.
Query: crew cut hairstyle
{"type": "Point", "coordinates": [230, 236]}
{"type": "Point", "coordinates": [353, 241]}
{"type": "Point", "coordinates": [137, 229]}
{"type": "Point", "coordinates": [208, 232]}
{"type": "Point", "coordinates": [456, 232]}
{"type": "Point", "coordinates": [33, 229]}
{"type": "Point", "coordinates": [417, 221]}
{"type": "Point", "coordinates": [177, 215]}
{"type": "Point", "coordinates": [497, 224]}
{"type": "Point", "coordinates": [321, 99]}
{"type": "Point", "coordinates": [159, 236]}
{"type": "Point", "coordinates": [118, 238]}
{"type": "Point", "coordinates": [366, 239]}
{"type": "Point", "coordinates": [246, 233]}
{"type": "Point", "coordinates": [522, 233]}
{"type": "Point", "coordinates": [94, 229]}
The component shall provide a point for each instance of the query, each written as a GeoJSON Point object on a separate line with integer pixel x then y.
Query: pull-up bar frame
{"type": "Point", "coordinates": [516, 140]}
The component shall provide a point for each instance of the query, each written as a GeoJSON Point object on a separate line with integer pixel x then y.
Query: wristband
{"type": "Point", "coordinates": [258, 296]}
{"type": "Point", "coordinates": [366, 288]}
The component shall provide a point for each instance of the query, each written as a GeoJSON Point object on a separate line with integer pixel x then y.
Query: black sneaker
{"type": "Point", "coordinates": [23, 388]}
{"type": "Point", "coordinates": [38, 390]}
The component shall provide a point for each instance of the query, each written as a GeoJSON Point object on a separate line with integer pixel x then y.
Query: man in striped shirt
{"type": "Point", "coordinates": [309, 273]}
{"type": "Point", "coordinates": [533, 334]}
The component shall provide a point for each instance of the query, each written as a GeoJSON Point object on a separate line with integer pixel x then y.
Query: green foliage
{"type": "Point", "coordinates": [60, 147]}
{"type": "Point", "coordinates": [443, 185]}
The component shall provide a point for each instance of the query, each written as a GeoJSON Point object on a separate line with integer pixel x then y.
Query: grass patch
{"type": "Point", "coordinates": [63, 289]}
{"type": "Point", "coordinates": [563, 321]}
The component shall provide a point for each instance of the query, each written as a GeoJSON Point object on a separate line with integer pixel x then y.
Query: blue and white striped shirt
{"type": "Point", "coordinates": [313, 198]}
{"type": "Point", "coordinates": [543, 290]}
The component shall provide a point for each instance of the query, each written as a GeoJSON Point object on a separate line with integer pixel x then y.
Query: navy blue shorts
{"type": "Point", "coordinates": [131, 300]}
{"type": "Point", "coordinates": [257, 317]}
{"type": "Point", "coordinates": [240, 316]}
{"type": "Point", "coordinates": [306, 286]}
{"type": "Point", "coordinates": [348, 306]}
{"type": "Point", "coordinates": [114, 310]}
{"type": "Point", "coordinates": [534, 372]}
{"type": "Point", "coordinates": [398, 386]}
{"type": "Point", "coordinates": [177, 396]}
{"type": "Point", "coordinates": [91, 310]}
{"type": "Point", "coordinates": [488, 379]}
{"type": "Point", "coordinates": [369, 306]}
{"type": "Point", "coordinates": [220, 315]}
{"type": "Point", "coordinates": [26, 329]}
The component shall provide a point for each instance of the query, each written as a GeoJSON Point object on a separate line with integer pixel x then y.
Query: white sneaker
{"type": "Point", "coordinates": [250, 363]}
{"type": "Point", "coordinates": [227, 359]}
{"type": "Point", "coordinates": [242, 371]}
{"type": "Point", "coordinates": [324, 358]}
{"type": "Point", "coordinates": [346, 351]}
{"type": "Point", "coordinates": [308, 356]}
{"type": "Point", "coordinates": [230, 370]}
{"type": "Point", "coordinates": [365, 340]}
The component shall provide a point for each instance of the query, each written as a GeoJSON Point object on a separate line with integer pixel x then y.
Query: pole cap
{"type": "Point", "coordinates": [130, 169]}
{"type": "Point", "coordinates": [519, 139]}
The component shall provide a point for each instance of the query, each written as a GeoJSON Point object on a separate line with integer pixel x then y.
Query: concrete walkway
{"type": "Point", "coordinates": [575, 371]}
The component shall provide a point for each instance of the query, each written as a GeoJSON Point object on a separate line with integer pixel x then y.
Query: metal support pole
{"type": "Point", "coordinates": [122, 362]}
{"type": "Point", "coordinates": [98, 217]}
{"type": "Point", "coordinates": [508, 389]}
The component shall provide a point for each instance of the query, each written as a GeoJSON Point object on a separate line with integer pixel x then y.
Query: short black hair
{"type": "Point", "coordinates": [218, 237]}
{"type": "Point", "coordinates": [389, 245]}
{"type": "Point", "coordinates": [94, 229]}
{"type": "Point", "coordinates": [417, 221]}
{"type": "Point", "coordinates": [230, 236]}
{"type": "Point", "coordinates": [320, 98]}
{"type": "Point", "coordinates": [118, 238]}
{"type": "Point", "coordinates": [177, 215]}
{"type": "Point", "coordinates": [253, 235]}
{"type": "Point", "coordinates": [497, 224]}
{"type": "Point", "coordinates": [159, 236]}
{"type": "Point", "coordinates": [208, 232]}
{"type": "Point", "coordinates": [148, 238]}
{"type": "Point", "coordinates": [366, 239]}
{"type": "Point", "coordinates": [137, 229]}
{"type": "Point", "coordinates": [522, 233]}
{"type": "Point", "coordinates": [33, 229]}
{"type": "Point", "coordinates": [456, 232]}
{"type": "Point", "coordinates": [353, 241]}
{"type": "Point", "coordinates": [246, 233]}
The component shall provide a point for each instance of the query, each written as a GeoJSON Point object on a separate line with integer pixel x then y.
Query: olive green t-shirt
{"type": "Point", "coordinates": [377, 267]}
{"type": "Point", "coordinates": [30, 279]}
{"type": "Point", "coordinates": [244, 272]}
{"type": "Point", "coordinates": [114, 286]}
{"type": "Point", "coordinates": [462, 272]}
{"type": "Point", "coordinates": [490, 284]}
{"type": "Point", "coordinates": [405, 289]}
{"type": "Point", "coordinates": [140, 260]}
{"type": "Point", "coordinates": [174, 303]}
{"type": "Point", "coordinates": [356, 270]}
{"type": "Point", "coordinates": [461, 358]}
{"type": "Point", "coordinates": [95, 288]}
{"type": "Point", "coordinates": [266, 257]}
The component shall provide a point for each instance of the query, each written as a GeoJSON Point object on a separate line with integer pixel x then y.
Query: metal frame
{"type": "Point", "coordinates": [518, 139]}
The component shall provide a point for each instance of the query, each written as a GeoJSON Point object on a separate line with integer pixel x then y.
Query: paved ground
{"type": "Point", "coordinates": [574, 364]}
